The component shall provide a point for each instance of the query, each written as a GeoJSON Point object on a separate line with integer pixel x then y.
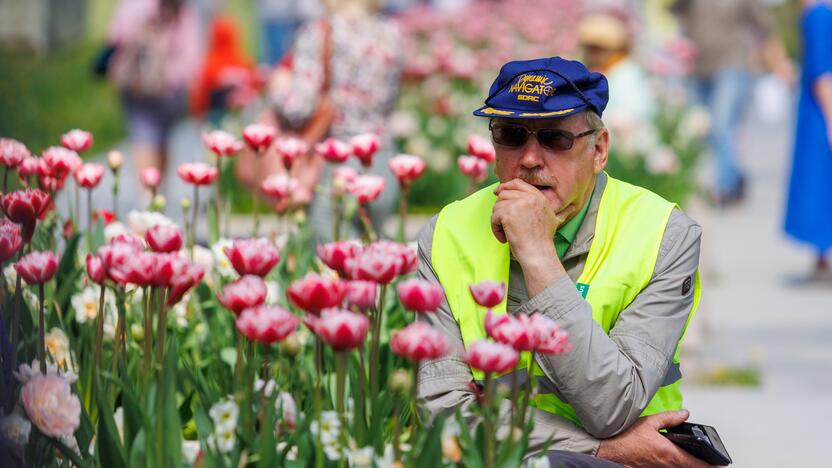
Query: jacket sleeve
{"type": "Point", "coordinates": [610, 379]}
{"type": "Point", "coordinates": [444, 383]}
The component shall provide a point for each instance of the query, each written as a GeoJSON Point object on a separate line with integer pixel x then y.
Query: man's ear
{"type": "Point", "coordinates": [602, 146]}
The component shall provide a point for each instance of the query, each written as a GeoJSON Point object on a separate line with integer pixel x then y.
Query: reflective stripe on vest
{"type": "Point", "coordinates": [629, 228]}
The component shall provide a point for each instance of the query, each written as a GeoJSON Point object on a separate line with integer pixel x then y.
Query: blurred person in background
{"type": "Point", "coordinates": [227, 74]}
{"type": "Point", "coordinates": [606, 42]}
{"type": "Point", "coordinates": [365, 65]}
{"type": "Point", "coordinates": [157, 53]}
{"type": "Point", "coordinates": [279, 23]}
{"type": "Point", "coordinates": [729, 35]}
{"type": "Point", "coordinates": [809, 205]}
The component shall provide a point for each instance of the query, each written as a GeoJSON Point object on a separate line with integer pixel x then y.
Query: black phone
{"type": "Point", "coordinates": [701, 441]}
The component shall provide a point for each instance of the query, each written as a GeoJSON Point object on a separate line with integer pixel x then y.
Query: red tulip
{"type": "Point", "coordinates": [37, 267]}
{"type": "Point", "coordinates": [342, 329]}
{"type": "Point", "coordinates": [197, 173]}
{"type": "Point", "coordinates": [407, 168]}
{"type": "Point", "coordinates": [24, 207]}
{"type": "Point", "coordinates": [10, 239]}
{"type": "Point", "coordinates": [186, 278]}
{"type": "Point", "coordinates": [89, 175]}
{"type": "Point", "coordinates": [492, 321]}
{"type": "Point", "coordinates": [290, 149]}
{"type": "Point", "coordinates": [419, 295]}
{"type": "Point", "coordinates": [138, 269]}
{"type": "Point", "coordinates": [367, 188]}
{"type": "Point", "coordinates": [481, 148]}
{"type": "Point", "coordinates": [550, 338]}
{"type": "Point", "coordinates": [166, 267]}
{"type": "Point", "coordinates": [266, 324]}
{"type": "Point", "coordinates": [334, 151]}
{"type": "Point", "coordinates": [334, 254]}
{"type": "Point", "coordinates": [259, 136]}
{"type": "Point", "coordinates": [279, 186]}
{"type": "Point", "coordinates": [136, 242]}
{"type": "Point", "coordinates": [364, 146]}
{"type": "Point", "coordinates": [162, 238]}
{"type": "Point", "coordinates": [106, 216]}
{"type": "Point", "coordinates": [253, 256]}
{"type": "Point", "coordinates": [12, 152]}
{"type": "Point", "coordinates": [361, 294]}
{"type": "Point", "coordinates": [28, 167]}
{"type": "Point", "coordinates": [419, 341]}
{"type": "Point", "coordinates": [381, 267]}
{"type": "Point", "coordinates": [113, 257]}
{"type": "Point", "coordinates": [314, 293]}
{"type": "Point", "coordinates": [248, 291]}
{"type": "Point", "coordinates": [150, 177]}
{"type": "Point", "coordinates": [95, 269]}
{"type": "Point", "coordinates": [77, 140]}
{"type": "Point", "coordinates": [488, 293]}
{"type": "Point", "coordinates": [222, 143]}
{"type": "Point", "coordinates": [61, 161]}
{"type": "Point", "coordinates": [516, 331]}
{"type": "Point", "coordinates": [491, 357]}
{"type": "Point", "coordinates": [473, 167]}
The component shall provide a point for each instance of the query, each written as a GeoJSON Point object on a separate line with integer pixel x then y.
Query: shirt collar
{"type": "Point", "coordinates": [586, 230]}
{"type": "Point", "coordinates": [570, 229]}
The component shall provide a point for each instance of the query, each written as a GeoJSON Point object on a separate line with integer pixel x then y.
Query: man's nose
{"type": "Point", "coordinates": [532, 154]}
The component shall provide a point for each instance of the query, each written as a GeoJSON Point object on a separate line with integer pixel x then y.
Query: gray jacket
{"type": "Point", "coordinates": [608, 379]}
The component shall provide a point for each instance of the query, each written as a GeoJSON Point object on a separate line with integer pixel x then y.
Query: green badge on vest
{"type": "Point", "coordinates": [583, 288]}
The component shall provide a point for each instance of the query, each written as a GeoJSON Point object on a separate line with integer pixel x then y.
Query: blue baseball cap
{"type": "Point", "coordinates": [545, 88]}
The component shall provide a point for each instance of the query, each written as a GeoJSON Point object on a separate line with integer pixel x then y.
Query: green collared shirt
{"type": "Point", "coordinates": [566, 233]}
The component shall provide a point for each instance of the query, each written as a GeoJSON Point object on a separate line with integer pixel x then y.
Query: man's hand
{"type": "Point", "coordinates": [643, 445]}
{"type": "Point", "coordinates": [526, 219]}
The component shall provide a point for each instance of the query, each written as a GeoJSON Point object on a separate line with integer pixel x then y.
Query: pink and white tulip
{"type": "Point", "coordinates": [419, 341]}
{"type": "Point", "coordinates": [551, 339]}
{"type": "Point", "coordinates": [342, 329]}
{"type": "Point", "coordinates": [150, 177]}
{"type": "Point", "coordinates": [248, 291]}
{"type": "Point", "coordinates": [314, 293]}
{"type": "Point", "coordinates": [253, 256]}
{"type": "Point", "coordinates": [12, 152]}
{"type": "Point", "coordinates": [481, 148]}
{"type": "Point", "coordinates": [77, 140]}
{"type": "Point", "coordinates": [280, 186]}
{"type": "Point", "coordinates": [488, 293]}
{"type": "Point", "coordinates": [61, 161]}
{"type": "Point", "coordinates": [163, 238]}
{"type": "Point", "coordinates": [407, 168]}
{"type": "Point", "coordinates": [367, 188]}
{"type": "Point", "coordinates": [290, 149]}
{"type": "Point", "coordinates": [333, 150]}
{"type": "Point", "coordinates": [222, 143]}
{"type": "Point", "coordinates": [258, 136]}
{"type": "Point", "coordinates": [51, 405]}
{"type": "Point", "coordinates": [37, 267]}
{"type": "Point", "coordinates": [89, 175]}
{"type": "Point", "coordinates": [266, 324]}
{"type": "Point", "coordinates": [361, 294]}
{"type": "Point", "coordinates": [419, 295]}
{"type": "Point", "coordinates": [377, 266]}
{"type": "Point", "coordinates": [197, 173]}
{"type": "Point", "coordinates": [491, 357]}
{"type": "Point", "coordinates": [473, 167]}
{"type": "Point", "coordinates": [334, 254]}
{"type": "Point", "coordinates": [364, 146]}
{"type": "Point", "coordinates": [10, 240]}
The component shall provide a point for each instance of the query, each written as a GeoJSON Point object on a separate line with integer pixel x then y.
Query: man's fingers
{"type": "Point", "coordinates": [497, 225]}
{"type": "Point", "coordinates": [668, 419]}
{"type": "Point", "coordinates": [516, 184]}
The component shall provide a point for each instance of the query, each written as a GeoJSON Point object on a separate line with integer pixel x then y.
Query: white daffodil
{"type": "Point", "coordinates": [538, 462]}
{"type": "Point", "coordinates": [224, 415]}
{"type": "Point", "coordinates": [85, 303]}
{"type": "Point", "coordinates": [190, 450]}
{"type": "Point", "coordinates": [15, 428]}
{"type": "Point", "coordinates": [361, 457]}
{"type": "Point", "coordinates": [221, 262]}
{"type": "Point", "coordinates": [226, 439]}
{"type": "Point", "coordinates": [57, 345]}
{"type": "Point", "coordinates": [269, 391]}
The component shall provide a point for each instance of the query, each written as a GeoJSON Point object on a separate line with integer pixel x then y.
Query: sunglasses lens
{"type": "Point", "coordinates": [557, 140]}
{"type": "Point", "coordinates": [509, 135]}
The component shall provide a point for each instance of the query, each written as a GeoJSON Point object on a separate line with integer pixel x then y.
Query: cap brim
{"type": "Point", "coordinates": [493, 112]}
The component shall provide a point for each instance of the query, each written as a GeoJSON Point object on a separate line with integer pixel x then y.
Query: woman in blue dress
{"type": "Point", "coordinates": [809, 209]}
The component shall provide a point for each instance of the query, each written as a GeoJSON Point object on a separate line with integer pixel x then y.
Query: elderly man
{"type": "Point", "coordinates": [615, 265]}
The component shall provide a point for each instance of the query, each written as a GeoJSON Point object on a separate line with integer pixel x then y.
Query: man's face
{"type": "Point", "coordinates": [564, 177]}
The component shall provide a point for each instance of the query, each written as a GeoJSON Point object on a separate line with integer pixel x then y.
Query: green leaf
{"type": "Point", "coordinates": [266, 447]}
{"type": "Point", "coordinates": [471, 452]}
{"type": "Point", "coordinates": [430, 446]}
{"type": "Point", "coordinates": [98, 238]}
{"type": "Point", "coordinates": [108, 445]}
{"type": "Point", "coordinates": [68, 452]}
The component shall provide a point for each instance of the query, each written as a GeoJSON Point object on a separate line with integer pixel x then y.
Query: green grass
{"type": "Point", "coordinates": [736, 376]}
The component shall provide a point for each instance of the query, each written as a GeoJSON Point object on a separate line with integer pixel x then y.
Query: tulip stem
{"type": "Point", "coordinates": [238, 365]}
{"type": "Point", "coordinates": [397, 452]}
{"type": "Point", "coordinates": [41, 337]}
{"type": "Point", "coordinates": [148, 327]}
{"type": "Point", "coordinates": [414, 396]}
{"type": "Point", "coordinates": [340, 390]}
{"type": "Point", "coordinates": [89, 220]}
{"type": "Point", "coordinates": [76, 211]}
{"type": "Point", "coordinates": [161, 330]}
{"type": "Point", "coordinates": [16, 319]}
{"type": "Point", "coordinates": [5, 179]}
{"type": "Point", "coordinates": [99, 333]}
{"type": "Point", "coordinates": [115, 194]}
{"type": "Point", "coordinates": [375, 345]}
{"type": "Point", "coordinates": [193, 220]}
{"type": "Point", "coordinates": [403, 211]}
{"type": "Point", "coordinates": [319, 449]}
{"type": "Point", "coordinates": [472, 186]}
{"type": "Point", "coordinates": [257, 193]}
{"type": "Point", "coordinates": [488, 425]}
{"type": "Point", "coordinates": [528, 394]}
{"type": "Point", "coordinates": [515, 389]}
{"type": "Point", "coordinates": [217, 189]}
{"type": "Point", "coordinates": [369, 233]}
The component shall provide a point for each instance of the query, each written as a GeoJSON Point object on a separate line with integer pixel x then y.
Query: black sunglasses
{"type": "Point", "coordinates": [516, 136]}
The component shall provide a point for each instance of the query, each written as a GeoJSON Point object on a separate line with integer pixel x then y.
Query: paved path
{"type": "Point", "coordinates": [755, 310]}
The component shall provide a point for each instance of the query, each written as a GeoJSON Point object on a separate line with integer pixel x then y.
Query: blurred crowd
{"type": "Point", "coordinates": [342, 68]}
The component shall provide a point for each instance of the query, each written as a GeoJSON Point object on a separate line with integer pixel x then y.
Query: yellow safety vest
{"type": "Point", "coordinates": [629, 229]}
